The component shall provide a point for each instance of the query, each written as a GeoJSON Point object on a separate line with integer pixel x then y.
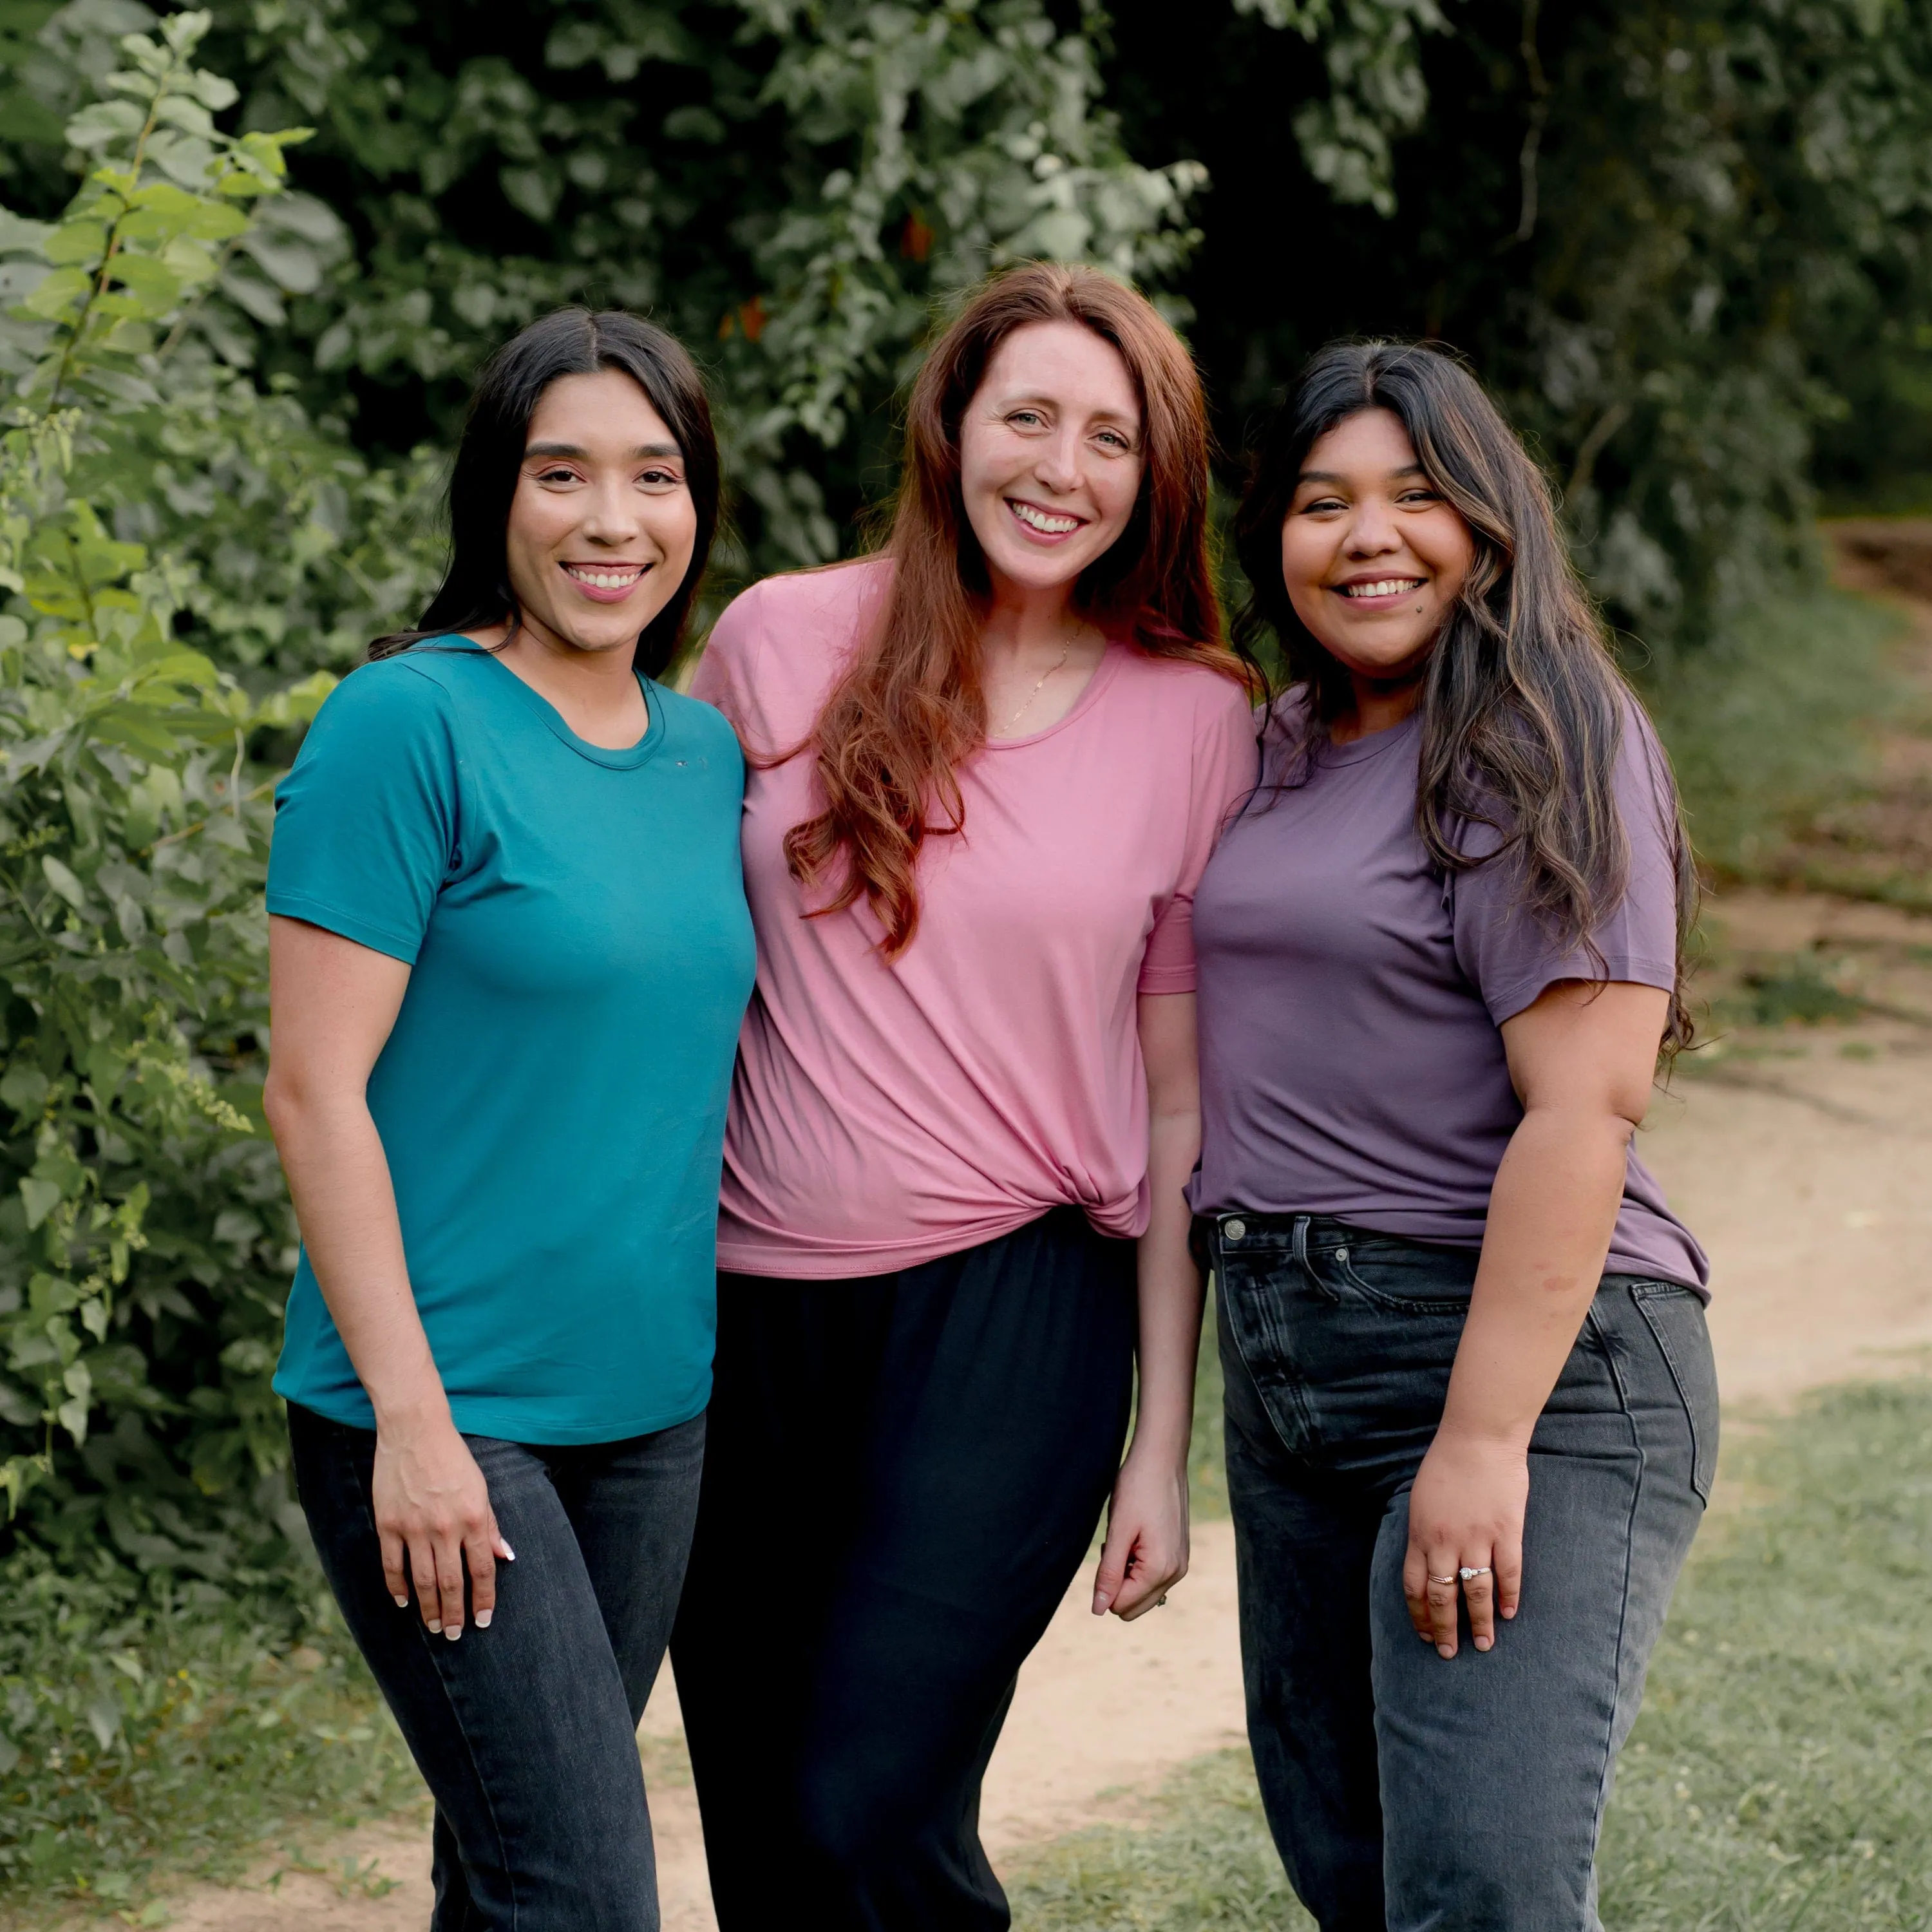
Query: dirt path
{"type": "Point", "coordinates": [1801, 1155]}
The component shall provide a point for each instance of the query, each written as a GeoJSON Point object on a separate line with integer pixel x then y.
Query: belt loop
{"type": "Point", "coordinates": [1301, 1222]}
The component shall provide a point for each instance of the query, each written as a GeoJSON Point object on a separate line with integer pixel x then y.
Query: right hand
{"type": "Point", "coordinates": [433, 1509]}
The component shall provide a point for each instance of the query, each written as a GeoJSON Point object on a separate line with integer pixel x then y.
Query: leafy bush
{"type": "Point", "coordinates": [150, 495]}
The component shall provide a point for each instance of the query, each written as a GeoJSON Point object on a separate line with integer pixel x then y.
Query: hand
{"type": "Point", "coordinates": [1465, 1512]}
{"type": "Point", "coordinates": [1146, 1550]}
{"type": "Point", "coordinates": [432, 1508]}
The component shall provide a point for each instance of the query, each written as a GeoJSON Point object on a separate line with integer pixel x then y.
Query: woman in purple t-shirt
{"type": "Point", "coordinates": [1471, 1411]}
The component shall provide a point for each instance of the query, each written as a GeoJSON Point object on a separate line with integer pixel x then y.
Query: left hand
{"type": "Point", "coordinates": [1465, 1512]}
{"type": "Point", "coordinates": [1146, 1550]}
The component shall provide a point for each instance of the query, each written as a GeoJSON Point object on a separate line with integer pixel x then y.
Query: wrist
{"type": "Point", "coordinates": [409, 1415]}
{"type": "Point", "coordinates": [1481, 1436]}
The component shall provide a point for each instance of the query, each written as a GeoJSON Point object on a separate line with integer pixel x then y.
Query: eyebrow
{"type": "Point", "coordinates": [1330, 476]}
{"type": "Point", "coordinates": [575, 449]}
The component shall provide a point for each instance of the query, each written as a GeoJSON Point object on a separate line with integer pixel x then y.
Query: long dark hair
{"type": "Point", "coordinates": [476, 591]}
{"type": "Point", "coordinates": [1523, 707]}
{"type": "Point", "coordinates": [910, 709]}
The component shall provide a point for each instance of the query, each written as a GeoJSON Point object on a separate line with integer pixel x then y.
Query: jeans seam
{"type": "Point", "coordinates": [1607, 1771]}
{"type": "Point", "coordinates": [1292, 1387]}
{"type": "Point", "coordinates": [423, 1636]}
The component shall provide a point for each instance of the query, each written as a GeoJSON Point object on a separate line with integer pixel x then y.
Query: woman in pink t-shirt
{"type": "Point", "coordinates": [988, 768]}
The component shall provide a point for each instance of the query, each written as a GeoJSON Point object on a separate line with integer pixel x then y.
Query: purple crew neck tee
{"type": "Point", "coordinates": [1350, 996]}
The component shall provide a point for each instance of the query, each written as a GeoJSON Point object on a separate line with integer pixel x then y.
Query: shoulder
{"type": "Point", "coordinates": [396, 698]}
{"type": "Point", "coordinates": [804, 607]}
{"type": "Point", "coordinates": [1644, 785]}
{"type": "Point", "coordinates": [1183, 686]}
{"type": "Point", "coordinates": [693, 717]}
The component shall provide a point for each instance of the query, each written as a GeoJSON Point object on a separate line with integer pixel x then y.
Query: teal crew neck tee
{"type": "Point", "coordinates": [551, 1099]}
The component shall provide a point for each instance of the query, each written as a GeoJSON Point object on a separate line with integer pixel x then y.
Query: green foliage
{"type": "Point", "coordinates": [144, 1239]}
{"type": "Point", "coordinates": [156, 1726]}
{"type": "Point", "coordinates": [1681, 240]}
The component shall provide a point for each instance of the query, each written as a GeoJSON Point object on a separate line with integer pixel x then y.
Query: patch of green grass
{"type": "Point", "coordinates": [1768, 724]}
{"type": "Point", "coordinates": [1796, 990]}
{"type": "Point", "coordinates": [149, 1727]}
{"type": "Point", "coordinates": [1781, 1776]}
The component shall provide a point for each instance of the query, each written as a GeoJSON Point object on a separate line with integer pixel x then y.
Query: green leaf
{"type": "Point", "coordinates": [79, 243]}
{"type": "Point", "coordinates": [62, 880]}
{"type": "Point", "coordinates": [40, 1197]}
{"type": "Point", "coordinates": [58, 293]}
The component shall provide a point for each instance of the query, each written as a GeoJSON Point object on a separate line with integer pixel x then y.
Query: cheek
{"type": "Point", "coordinates": [672, 522]}
{"type": "Point", "coordinates": [1118, 488]}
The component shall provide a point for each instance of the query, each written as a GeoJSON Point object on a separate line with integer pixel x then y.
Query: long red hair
{"type": "Point", "coordinates": [909, 710]}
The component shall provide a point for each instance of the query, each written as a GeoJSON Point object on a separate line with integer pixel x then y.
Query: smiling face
{"type": "Point", "coordinates": [1050, 456]}
{"type": "Point", "coordinates": [602, 525]}
{"type": "Point", "coordinates": [1373, 555]}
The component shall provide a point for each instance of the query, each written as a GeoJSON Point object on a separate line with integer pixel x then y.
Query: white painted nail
{"type": "Point", "coordinates": [434, 1629]}
{"type": "Point", "coordinates": [483, 1619]}
{"type": "Point", "coordinates": [454, 1631]}
{"type": "Point", "coordinates": [402, 1602]}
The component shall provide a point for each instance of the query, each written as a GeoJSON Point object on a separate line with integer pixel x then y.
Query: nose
{"type": "Point", "coordinates": [1058, 465]}
{"type": "Point", "coordinates": [610, 515]}
{"type": "Point", "coordinates": [1372, 530]}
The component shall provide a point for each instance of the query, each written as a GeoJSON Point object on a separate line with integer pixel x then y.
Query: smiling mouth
{"type": "Point", "coordinates": [1043, 523]}
{"type": "Point", "coordinates": [1381, 586]}
{"type": "Point", "coordinates": [605, 577]}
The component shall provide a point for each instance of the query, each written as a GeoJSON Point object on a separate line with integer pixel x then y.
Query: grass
{"type": "Point", "coordinates": [1781, 1776]}
{"type": "Point", "coordinates": [149, 1728]}
{"type": "Point", "coordinates": [1768, 724]}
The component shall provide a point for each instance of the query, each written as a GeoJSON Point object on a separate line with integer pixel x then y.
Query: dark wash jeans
{"type": "Point", "coordinates": [1405, 1792]}
{"type": "Point", "coordinates": [526, 1732]}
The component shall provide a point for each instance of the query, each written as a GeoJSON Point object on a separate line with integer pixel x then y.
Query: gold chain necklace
{"type": "Point", "coordinates": [1066, 652]}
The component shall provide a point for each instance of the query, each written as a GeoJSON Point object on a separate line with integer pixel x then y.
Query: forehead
{"type": "Point", "coordinates": [605, 409]}
{"type": "Point", "coordinates": [1372, 442]}
{"type": "Point", "coordinates": [1064, 363]}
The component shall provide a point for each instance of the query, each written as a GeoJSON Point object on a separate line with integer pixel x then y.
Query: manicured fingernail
{"type": "Point", "coordinates": [483, 1619]}
{"type": "Point", "coordinates": [1483, 1642]}
{"type": "Point", "coordinates": [1445, 1650]}
{"type": "Point", "coordinates": [434, 1629]}
{"type": "Point", "coordinates": [509, 1554]}
{"type": "Point", "coordinates": [454, 1631]}
{"type": "Point", "coordinates": [402, 1602]}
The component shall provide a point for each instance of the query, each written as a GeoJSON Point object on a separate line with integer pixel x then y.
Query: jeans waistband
{"type": "Point", "coordinates": [1239, 1231]}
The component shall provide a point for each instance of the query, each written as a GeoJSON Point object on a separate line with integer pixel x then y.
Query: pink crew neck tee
{"type": "Point", "coordinates": [885, 1114]}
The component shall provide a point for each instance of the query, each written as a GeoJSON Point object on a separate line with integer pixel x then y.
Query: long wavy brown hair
{"type": "Point", "coordinates": [909, 710]}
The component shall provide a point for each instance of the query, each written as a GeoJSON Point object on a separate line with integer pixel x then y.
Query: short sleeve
{"type": "Point", "coordinates": [719, 680]}
{"type": "Point", "coordinates": [1223, 772]}
{"type": "Point", "coordinates": [1509, 956]}
{"type": "Point", "coordinates": [366, 822]}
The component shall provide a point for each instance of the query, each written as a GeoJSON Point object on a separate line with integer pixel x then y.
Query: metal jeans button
{"type": "Point", "coordinates": [1234, 1230]}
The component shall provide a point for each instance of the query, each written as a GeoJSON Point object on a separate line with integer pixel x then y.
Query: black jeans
{"type": "Point", "coordinates": [903, 1474]}
{"type": "Point", "coordinates": [526, 1732]}
{"type": "Point", "coordinates": [1404, 1792]}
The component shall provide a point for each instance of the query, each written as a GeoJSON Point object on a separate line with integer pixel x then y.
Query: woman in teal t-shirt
{"type": "Point", "coordinates": [509, 954]}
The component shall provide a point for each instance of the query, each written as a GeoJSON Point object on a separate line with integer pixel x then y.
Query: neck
{"type": "Point", "coordinates": [1022, 622]}
{"type": "Point", "coordinates": [1380, 704]}
{"type": "Point", "coordinates": [592, 678]}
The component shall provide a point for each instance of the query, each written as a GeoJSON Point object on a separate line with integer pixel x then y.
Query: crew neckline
{"type": "Point", "coordinates": [1104, 672]}
{"type": "Point", "coordinates": [1372, 745]}
{"type": "Point", "coordinates": [621, 758]}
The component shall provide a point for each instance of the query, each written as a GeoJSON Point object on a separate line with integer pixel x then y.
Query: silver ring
{"type": "Point", "coordinates": [1442, 1579]}
{"type": "Point", "coordinates": [1468, 1574]}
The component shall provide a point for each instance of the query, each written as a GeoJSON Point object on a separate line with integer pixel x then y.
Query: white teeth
{"type": "Point", "coordinates": [1388, 586]}
{"type": "Point", "coordinates": [604, 580]}
{"type": "Point", "coordinates": [1039, 519]}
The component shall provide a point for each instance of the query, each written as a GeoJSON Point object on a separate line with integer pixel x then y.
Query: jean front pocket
{"type": "Point", "coordinates": [1404, 1277]}
{"type": "Point", "coordinates": [1675, 1316]}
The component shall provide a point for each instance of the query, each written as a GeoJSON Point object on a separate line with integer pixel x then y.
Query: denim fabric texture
{"type": "Point", "coordinates": [904, 1474]}
{"type": "Point", "coordinates": [526, 1732]}
{"type": "Point", "coordinates": [1406, 1792]}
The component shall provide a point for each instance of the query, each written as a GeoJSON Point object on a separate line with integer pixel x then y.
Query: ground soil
{"type": "Point", "coordinates": [1802, 1156]}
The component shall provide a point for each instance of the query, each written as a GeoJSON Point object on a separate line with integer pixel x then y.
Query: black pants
{"type": "Point", "coordinates": [904, 1473]}
{"type": "Point", "coordinates": [526, 1733]}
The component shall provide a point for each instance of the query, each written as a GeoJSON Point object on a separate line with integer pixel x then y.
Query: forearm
{"type": "Point", "coordinates": [1170, 1294]}
{"type": "Point", "coordinates": [1552, 1213]}
{"type": "Point", "coordinates": [345, 1201]}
